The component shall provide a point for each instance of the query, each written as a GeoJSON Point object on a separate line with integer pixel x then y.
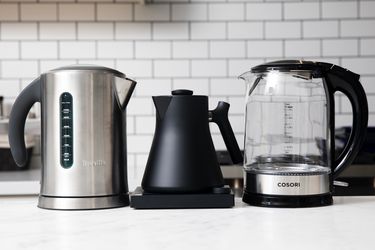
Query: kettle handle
{"type": "Point", "coordinates": [17, 119]}
{"type": "Point", "coordinates": [347, 82]}
{"type": "Point", "coordinates": [220, 117]}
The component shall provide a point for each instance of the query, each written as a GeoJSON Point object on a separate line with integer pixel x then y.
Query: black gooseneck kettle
{"type": "Point", "coordinates": [182, 157]}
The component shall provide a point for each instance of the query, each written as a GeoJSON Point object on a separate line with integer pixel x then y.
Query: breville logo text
{"type": "Point", "coordinates": [289, 184]}
{"type": "Point", "coordinates": [96, 163]}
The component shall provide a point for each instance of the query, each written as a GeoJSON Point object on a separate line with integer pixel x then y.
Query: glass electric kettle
{"type": "Point", "coordinates": [289, 138]}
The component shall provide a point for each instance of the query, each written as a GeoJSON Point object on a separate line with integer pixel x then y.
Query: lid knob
{"type": "Point", "coordinates": [182, 92]}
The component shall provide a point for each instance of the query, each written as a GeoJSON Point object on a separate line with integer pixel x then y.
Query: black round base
{"type": "Point", "coordinates": [263, 200]}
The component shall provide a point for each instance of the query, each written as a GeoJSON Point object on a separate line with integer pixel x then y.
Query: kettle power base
{"type": "Point", "coordinates": [142, 200]}
{"type": "Point", "coordinates": [287, 201]}
{"type": "Point", "coordinates": [83, 203]}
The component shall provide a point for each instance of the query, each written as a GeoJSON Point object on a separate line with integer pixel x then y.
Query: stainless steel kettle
{"type": "Point", "coordinates": [83, 136]}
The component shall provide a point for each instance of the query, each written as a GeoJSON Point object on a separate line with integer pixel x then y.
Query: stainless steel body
{"type": "Point", "coordinates": [83, 138]}
{"type": "Point", "coordinates": [290, 185]}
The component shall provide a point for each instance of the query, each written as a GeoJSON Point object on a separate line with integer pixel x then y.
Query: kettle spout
{"type": "Point", "coordinates": [246, 76]}
{"type": "Point", "coordinates": [124, 90]}
{"type": "Point", "coordinates": [161, 105]}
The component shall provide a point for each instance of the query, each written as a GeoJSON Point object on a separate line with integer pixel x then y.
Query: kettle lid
{"type": "Point", "coordinates": [89, 67]}
{"type": "Point", "coordinates": [286, 65]}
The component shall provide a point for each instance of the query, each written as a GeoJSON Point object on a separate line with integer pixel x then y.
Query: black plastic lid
{"type": "Point", "coordinates": [286, 65]}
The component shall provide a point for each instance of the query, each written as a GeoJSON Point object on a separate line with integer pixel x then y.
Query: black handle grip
{"type": "Point", "coordinates": [220, 117]}
{"type": "Point", "coordinates": [348, 83]}
{"type": "Point", "coordinates": [17, 119]}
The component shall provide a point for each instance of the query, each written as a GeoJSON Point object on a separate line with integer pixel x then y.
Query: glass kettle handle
{"type": "Point", "coordinates": [220, 117]}
{"type": "Point", "coordinates": [347, 82]}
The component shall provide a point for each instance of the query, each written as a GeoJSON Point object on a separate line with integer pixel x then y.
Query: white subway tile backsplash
{"type": "Point", "coordinates": [153, 87]}
{"type": "Point", "coordinates": [152, 12]}
{"type": "Point", "coordinates": [320, 29]}
{"type": "Point", "coordinates": [9, 50]}
{"type": "Point", "coordinates": [342, 47]}
{"type": "Point", "coordinates": [95, 31]}
{"type": "Point", "coordinates": [227, 49]}
{"type": "Point", "coordinates": [245, 30]}
{"type": "Point", "coordinates": [263, 11]}
{"type": "Point", "coordinates": [153, 50]}
{"type": "Point", "coordinates": [170, 31]}
{"type": "Point", "coordinates": [301, 11]}
{"type": "Point", "coordinates": [171, 68]}
{"type": "Point", "coordinates": [114, 12]}
{"type": "Point", "coordinates": [357, 28]}
{"type": "Point", "coordinates": [139, 143]}
{"type": "Point", "coordinates": [205, 30]}
{"type": "Point", "coordinates": [84, 50]}
{"type": "Point", "coordinates": [135, 68]}
{"type": "Point", "coordinates": [367, 9]}
{"type": "Point", "coordinates": [133, 31]}
{"type": "Point", "coordinates": [360, 65]}
{"type": "Point", "coordinates": [145, 125]}
{"type": "Point", "coordinates": [139, 106]}
{"type": "Point", "coordinates": [240, 66]}
{"type": "Point", "coordinates": [115, 49]}
{"type": "Point", "coordinates": [18, 31]}
{"type": "Point", "coordinates": [130, 124]}
{"type": "Point", "coordinates": [237, 122]}
{"type": "Point", "coordinates": [36, 49]}
{"type": "Point", "coordinates": [367, 46]}
{"type": "Point", "coordinates": [283, 30]}
{"type": "Point", "coordinates": [299, 49]}
{"type": "Point", "coordinates": [189, 12]}
{"type": "Point", "coordinates": [190, 49]}
{"type": "Point", "coordinates": [38, 12]}
{"type": "Point", "coordinates": [10, 88]}
{"type": "Point", "coordinates": [265, 49]}
{"type": "Point", "coordinates": [237, 104]}
{"type": "Point", "coordinates": [101, 62]}
{"type": "Point", "coordinates": [208, 68]}
{"type": "Point", "coordinates": [226, 11]}
{"type": "Point", "coordinates": [76, 12]}
{"type": "Point", "coordinates": [339, 9]}
{"type": "Point", "coordinates": [200, 86]}
{"type": "Point", "coordinates": [227, 87]}
{"type": "Point", "coordinates": [57, 31]}
{"type": "Point", "coordinates": [368, 83]}
{"type": "Point", "coordinates": [46, 65]}
{"type": "Point", "coordinates": [19, 69]}
{"type": "Point", "coordinates": [8, 12]}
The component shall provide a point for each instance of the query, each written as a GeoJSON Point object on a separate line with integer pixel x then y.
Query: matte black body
{"type": "Point", "coordinates": [182, 157]}
{"type": "Point", "coordinates": [335, 79]}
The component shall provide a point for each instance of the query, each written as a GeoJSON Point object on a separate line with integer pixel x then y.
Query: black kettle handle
{"type": "Point", "coordinates": [220, 117]}
{"type": "Point", "coordinates": [17, 119]}
{"type": "Point", "coordinates": [347, 82]}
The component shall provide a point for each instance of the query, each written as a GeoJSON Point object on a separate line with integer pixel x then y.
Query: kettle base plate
{"type": "Point", "coordinates": [141, 200]}
{"type": "Point", "coordinates": [83, 203]}
{"type": "Point", "coordinates": [287, 201]}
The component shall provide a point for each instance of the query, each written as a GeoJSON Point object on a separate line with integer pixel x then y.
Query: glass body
{"type": "Point", "coordinates": [287, 124]}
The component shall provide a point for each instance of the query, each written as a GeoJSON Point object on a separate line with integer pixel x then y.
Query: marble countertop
{"type": "Point", "coordinates": [348, 224]}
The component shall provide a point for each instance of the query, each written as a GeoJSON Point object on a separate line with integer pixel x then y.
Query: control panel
{"type": "Point", "coordinates": [66, 130]}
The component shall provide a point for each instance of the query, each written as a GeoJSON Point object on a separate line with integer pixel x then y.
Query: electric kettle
{"type": "Point", "coordinates": [83, 136]}
{"type": "Point", "coordinates": [289, 138]}
{"type": "Point", "coordinates": [182, 158]}
{"type": "Point", "coordinates": [182, 169]}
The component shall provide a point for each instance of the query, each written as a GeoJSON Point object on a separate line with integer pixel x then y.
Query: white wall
{"type": "Point", "coordinates": [199, 44]}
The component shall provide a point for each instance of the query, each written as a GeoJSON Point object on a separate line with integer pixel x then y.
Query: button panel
{"type": "Point", "coordinates": [66, 130]}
